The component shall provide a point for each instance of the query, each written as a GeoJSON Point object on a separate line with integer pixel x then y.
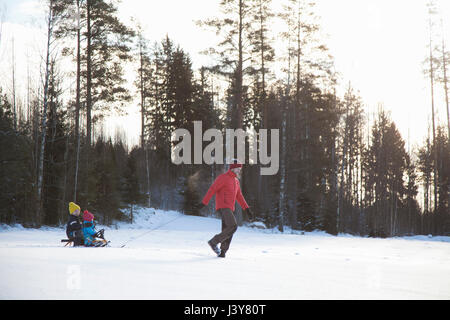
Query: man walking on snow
{"type": "Point", "coordinates": [227, 190]}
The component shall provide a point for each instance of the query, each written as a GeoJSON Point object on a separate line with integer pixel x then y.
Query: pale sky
{"type": "Point", "coordinates": [378, 46]}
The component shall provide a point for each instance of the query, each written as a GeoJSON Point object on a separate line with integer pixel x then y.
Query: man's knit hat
{"type": "Point", "coordinates": [235, 164]}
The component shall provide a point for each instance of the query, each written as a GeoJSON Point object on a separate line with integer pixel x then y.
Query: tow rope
{"type": "Point", "coordinates": [147, 232]}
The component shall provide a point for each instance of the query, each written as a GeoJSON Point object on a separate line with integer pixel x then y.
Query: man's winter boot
{"type": "Point", "coordinates": [214, 247]}
{"type": "Point", "coordinates": [222, 254]}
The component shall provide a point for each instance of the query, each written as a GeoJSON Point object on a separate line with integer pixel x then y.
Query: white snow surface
{"type": "Point", "coordinates": [166, 257]}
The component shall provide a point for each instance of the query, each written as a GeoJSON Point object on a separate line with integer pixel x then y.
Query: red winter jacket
{"type": "Point", "coordinates": [227, 191]}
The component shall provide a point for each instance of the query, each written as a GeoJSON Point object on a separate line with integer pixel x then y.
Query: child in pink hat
{"type": "Point", "coordinates": [89, 231]}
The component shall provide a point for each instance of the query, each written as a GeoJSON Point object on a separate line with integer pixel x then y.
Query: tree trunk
{"type": "Point", "coordinates": [239, 74]}
{"type": "Point", "coordinates": [281, 205]}
{"type": "Point", "coordinates": [343, 166]}
{"type": "Point", "coordinates": [14, 86]}
{"type": "Point", "coordinates": [44, 118]}
{"type": "Point", "coordinates": [435, 187]}
{"type": "Point", "coordinates": [77, 105]}
{"type": "Point", "coordinates": [444, 67]}
{"type": "Point", "coordinates": [89, 76]}
{"type": "Point", "coordinates": [143, 144]}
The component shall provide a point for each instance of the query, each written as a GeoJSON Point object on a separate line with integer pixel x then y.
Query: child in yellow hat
{"type": "Point", "coordinates": [74, 228]}
{"type": "Point", "coordinates": [74, 208]}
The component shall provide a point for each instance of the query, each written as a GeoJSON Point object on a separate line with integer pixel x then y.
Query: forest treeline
{"type": "Point", "coordinates": [342, 170]}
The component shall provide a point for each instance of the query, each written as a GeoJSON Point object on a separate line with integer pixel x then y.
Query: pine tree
{"type": "Point", "coordinates": [70, 25]}
{"type": "Point", "coordinates": [143, 83]}
{"type": "Point", "coordinates": [263, 54]}
{"type": "Point", "coordinates": [431, 59]}
{"type": "Point", "coordinates": [55, 152]}
{"type": "Point", "coordinates": [386, 164]}
{"type": "Point", "coordinates": [104, 197]}
{"type": "Point", "coordinates": [441, 215]}
{"type": "Point", "coordinates": [305, 61]}
{"type": "Point", "coordinates": [108, 47]}
{"type": "Point", "coordinates": [17, 174]}
{"type": "Point", "coordinates": [233, 51]}
{"type": "Point", "coordinates": [412, 206]}
{"type": "Point", "coordinates": [352, 147]}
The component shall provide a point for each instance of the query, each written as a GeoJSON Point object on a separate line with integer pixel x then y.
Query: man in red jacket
{"type": "Point", "coordinates": [227, 190]}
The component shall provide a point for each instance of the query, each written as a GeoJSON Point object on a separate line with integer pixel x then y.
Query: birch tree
{"type": "Point", "coordinates": [431, 59]}
{"type": "Point", "coordinates": [51, 19]}
{"type": "Point", "coordinates": [445, 60]}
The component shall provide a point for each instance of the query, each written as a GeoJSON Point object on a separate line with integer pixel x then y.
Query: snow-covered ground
{"type": "Point", "coordinates": [166, 257]}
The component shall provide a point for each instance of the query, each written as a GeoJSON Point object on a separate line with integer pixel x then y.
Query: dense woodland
{"type": "Point", "coordinates": [341, 169]}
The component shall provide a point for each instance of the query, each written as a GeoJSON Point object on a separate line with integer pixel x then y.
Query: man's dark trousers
{"type": "Point", "coordinates": [229, 227]}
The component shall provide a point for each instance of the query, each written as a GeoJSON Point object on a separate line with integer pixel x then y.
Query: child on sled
{"type": "Point", "coordinates": [89, 232]}
{"type": "Point", "coordinates": [74, 228]}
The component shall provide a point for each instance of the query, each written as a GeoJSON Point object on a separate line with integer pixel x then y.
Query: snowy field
{"type": "Point", "coordinates": [166, 257]}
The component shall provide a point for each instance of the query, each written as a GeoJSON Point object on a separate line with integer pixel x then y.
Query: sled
{"type": "Point", "coordinates": [100, 242]}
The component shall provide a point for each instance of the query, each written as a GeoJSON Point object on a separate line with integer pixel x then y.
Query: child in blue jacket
{"type": "Point", "coordinates": [90, 233]}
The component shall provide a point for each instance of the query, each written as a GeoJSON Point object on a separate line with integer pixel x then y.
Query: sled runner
{"type": "Point", "coordinates": [99, 243]}
{"type": "Point", "coordinates": [95, 243]}
{"type": "Point", "coordinates": [68, 242]}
